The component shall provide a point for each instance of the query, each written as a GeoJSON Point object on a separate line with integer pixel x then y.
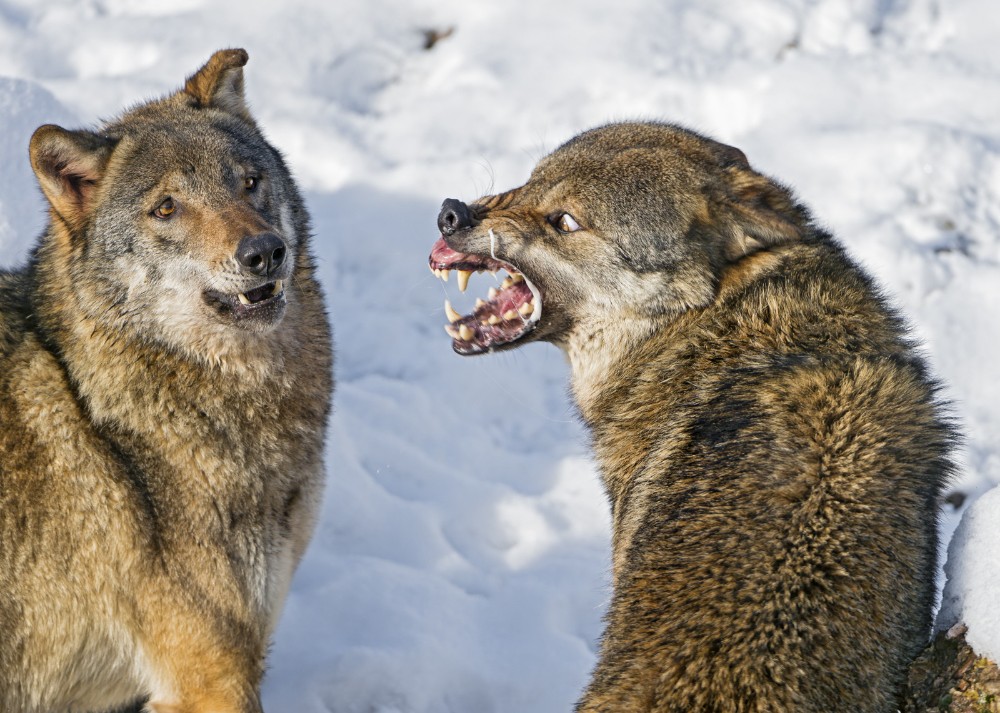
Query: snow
{"type": "Point", "coordinates": [462, 558]}
{"type": "Point", "coordinates": [973, 570]}
{"type": "Point", "coordinates": [24, 106]}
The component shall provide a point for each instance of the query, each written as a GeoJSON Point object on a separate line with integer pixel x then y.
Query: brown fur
{"type": "Point", "coordinates": [160, 462]}
{"type": "Point", "coordinates": [769, 439]}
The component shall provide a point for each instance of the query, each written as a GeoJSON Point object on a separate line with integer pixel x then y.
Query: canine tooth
{"type": "Point", "coordinates": [492, 292]}
{"type": "Point", "coordinates": [465, 333]}
{"type": "Point", "coordinates": [506, 283]}
{"type": "Point", "coordinates": [452, 332]}
{"type": "Point", "coordinates": [510, 314]}
{"type": "Point", "coordinates": [526, 309]}
{"type": "Point", "coordinates": [243, 298]}
{"type": "Point", "coordinates": [278, 286]}
{"type": "Point", "coordinates": [463, 279]}
{"type": "Point", "coordinates": [493, 319]}
{"type": "Point", "coordinates": [516, 277]}
{"type": "Point", "coordinates": [452, 315]}
{"type": "Point", "coordinates": [479, 303]}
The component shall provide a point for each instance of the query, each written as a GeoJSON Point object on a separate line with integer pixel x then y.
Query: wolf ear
{"type": "Point", "coordinates": [69, 165]}
{"type": "Point", "coordinates": [763, 214]}
{"type": "Point", "coordinates": [219, 84]}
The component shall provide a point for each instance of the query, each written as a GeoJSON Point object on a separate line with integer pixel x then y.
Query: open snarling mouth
{"type": "Point", "coordinates": [263, 302]}
{"type": "Point", "coordinates": [511, 311]}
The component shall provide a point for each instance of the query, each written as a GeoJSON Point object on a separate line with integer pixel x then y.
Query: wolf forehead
{"type": "Point", "coordinates": [607, 143]}
{"type": "Point", "coordinates": [170, 139]}
{"type": "Point", "coordinates": [187, 153]}
{"type": "Point", "coordinates": [648, 167]}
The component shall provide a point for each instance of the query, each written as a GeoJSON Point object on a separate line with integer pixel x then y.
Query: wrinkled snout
{"type": "Point", "coordinates": [261, 254]}
{"type": "Point", "coordinates": [454, 216]}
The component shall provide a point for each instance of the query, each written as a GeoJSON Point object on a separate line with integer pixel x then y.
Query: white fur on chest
{"type": "Point", "coordinates": [596, 348]}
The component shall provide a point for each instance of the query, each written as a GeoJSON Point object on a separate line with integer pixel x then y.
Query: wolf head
{"type": "Point", "coordinates": [177, 223]}
{"type": "Point", "coordinates": [627, 220]}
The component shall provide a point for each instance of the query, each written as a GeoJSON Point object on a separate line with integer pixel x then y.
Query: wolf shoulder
{"type": "Point", "coordinates": [805, 326]}
{"type": "Point", "coordinates": [13, 309]}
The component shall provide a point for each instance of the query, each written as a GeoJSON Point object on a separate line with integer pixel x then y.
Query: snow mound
{"type": "Point", "coordinates": [24, 107]}
{"type": "Point", "coordinates": [973, 571]}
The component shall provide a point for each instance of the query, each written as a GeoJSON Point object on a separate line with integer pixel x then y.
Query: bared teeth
{"type": "Point", "coordinates": [243, 298]}
{"type": "Point", "coordinates": [527, 308]}
{"type": "Point", "coordinates": [443, 274]}
{"type": "Point", "coordinates": [511, 280]}
{"type": "Point", "coordinates": [492, 293]}
{"type": "Point", "coordinates": [466, 333]}
{"type": "Point", "coordinates": [278, 286]}
{"type": "Point", "coordinates": [510, 314]}
{"type": "Point", "coordinates": [450, 312]}
{"type": "Point", "coordinates": [493, 319]}
{"type": "Point", "coordinates": [463, 279]}
{"type": "Point", "coordinates": [452, 332]}
{"type": "Point", "coordinates": [479, 303]}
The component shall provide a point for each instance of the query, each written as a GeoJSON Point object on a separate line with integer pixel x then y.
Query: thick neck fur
{"type": "Point", "coordinates": [605, 355]}
{"type": "Point", "coordinates": [598, 349]}
{"type": "Point", "coordinates": [201, 420]}
{"type": "Point", "coordinates": [601, 349]}
{"type": "Point", "coordinates": [618, 363]}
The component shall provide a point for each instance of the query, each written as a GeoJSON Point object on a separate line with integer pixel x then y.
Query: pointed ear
{"type": "Point", "coordinates": [219, 84]}
{"type": "Point", "coordinates": [763, 214]}
{"type": "Point", "coordinates": [69, 166]}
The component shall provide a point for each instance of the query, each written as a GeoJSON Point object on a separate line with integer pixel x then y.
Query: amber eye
{"type": "Point", "coordinates": [165, 209]}
{"type": "Point", "coordinates": [566, 223]}
{"type": "Point", "coordinates": [250, 183]}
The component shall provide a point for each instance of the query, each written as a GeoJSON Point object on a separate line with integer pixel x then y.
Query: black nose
{"type": "Point", "coordinates": [261, 254]}
{"type": "Point", "coordinates": [454, 216]}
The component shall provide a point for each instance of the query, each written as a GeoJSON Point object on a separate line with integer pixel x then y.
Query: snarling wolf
{"type": "Point", "coordinates": [770, 441]}
{"type": "Point", "coordinates": [165, 381]}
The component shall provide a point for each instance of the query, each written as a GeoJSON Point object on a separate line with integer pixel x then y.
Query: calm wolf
{"type": "Point", "coordinates": [770, 441]}
{"type": "Point", "coordinates": [165, 381]}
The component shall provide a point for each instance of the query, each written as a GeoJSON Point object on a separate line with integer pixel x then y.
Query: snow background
{"type": "Point", "coordinates": [462, 559]}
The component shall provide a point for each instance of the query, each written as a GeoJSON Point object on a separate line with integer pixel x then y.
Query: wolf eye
{"type": "Point", "coordinates": [165, 209]}
{"type": "Point", "coordinates": [565, 223]}
{"type": "Point", "coordinates": [250, 183]}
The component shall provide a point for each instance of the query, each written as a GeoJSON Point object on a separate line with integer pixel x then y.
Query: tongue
{"type": "Point", "coordinates": [259, 294]}
{"type": "Point", "coordinates": [509, 299]}
{"type": "Point", "coordinates": [444, 255]}
{"type": "Point", "coordinates": [444, 258]}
